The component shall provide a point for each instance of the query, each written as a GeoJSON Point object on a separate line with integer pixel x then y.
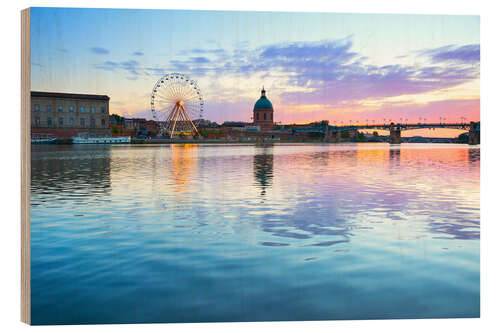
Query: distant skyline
{"type": "Point", "coordinates": [315, 66]}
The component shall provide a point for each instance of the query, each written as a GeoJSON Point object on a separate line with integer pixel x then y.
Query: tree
{"type": "Point", "coordinates": [375, 133]}
{"type": "Point", "coordinates": [345, 134]}
{"type": "Point", "coordinates": [360, 137]}
{"type": "Point", "coordinates": [203, 132]}
{"type": "Point", "coordinates": [118, 119]}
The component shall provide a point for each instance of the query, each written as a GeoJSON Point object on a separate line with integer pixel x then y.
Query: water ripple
{"type": "Point", "coordinates": [185, 233]}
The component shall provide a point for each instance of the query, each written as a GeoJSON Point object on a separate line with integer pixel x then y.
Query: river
{"type": "Point", "coordinates": [189, 233]}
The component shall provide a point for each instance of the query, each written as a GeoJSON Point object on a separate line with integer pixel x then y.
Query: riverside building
{"type": "Point", "coordinates": [67, 115]}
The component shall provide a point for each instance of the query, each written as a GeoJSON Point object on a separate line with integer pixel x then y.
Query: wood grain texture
{"type": "Point", "coordinates": [25, 165]}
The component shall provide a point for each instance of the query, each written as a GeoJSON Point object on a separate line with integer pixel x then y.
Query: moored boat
{"type": "Point", "coordinates": [42, 138]}
{"type": "Point", "coordinates": [81, 139]}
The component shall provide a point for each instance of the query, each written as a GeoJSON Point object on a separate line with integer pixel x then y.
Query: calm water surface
{"type": "Point", "coordinates": [187, 233]}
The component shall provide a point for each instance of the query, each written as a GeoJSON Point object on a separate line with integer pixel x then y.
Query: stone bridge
{"type": "Point", "coordinates": [474, 129]}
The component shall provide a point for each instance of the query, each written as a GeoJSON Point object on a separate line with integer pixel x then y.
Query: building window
{"type": "Point", "coordinates": [103, 122]}
{"type": "Point", "coordinates": [37, 121]}
{"type": "Point", "coordinates": [92, 109]}
{"type": "Point", "coordinates": [37, 107]}
{"type": "Point", "coordinates": [82, 109]}
{"type": "Point", "coordinates": [103, 109]}
{"type": "Point", "coordinates": [71, 121]}
{"type": "Point", "coordinates": [257, 116]}
{"type": "Point", "coordinates": [92, 122]}
{"type": "Point", "coordinates": [265, 114]}
{"type": "Point", "coordinates": [82, 122]}
{"type": "Point", "coordinates": [49, 108]}
{"type": "Point", "coordinates": [60, 108]}
{"type": "Point", "coordinates": [71, 108]}
{"type": "Point", "coordinates": [61, 121]}
{"type": "Point", "coordinates": [49, 121]}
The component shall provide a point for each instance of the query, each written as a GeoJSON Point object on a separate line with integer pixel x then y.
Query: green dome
{"type": "Point", "coordinates": [263, 102]}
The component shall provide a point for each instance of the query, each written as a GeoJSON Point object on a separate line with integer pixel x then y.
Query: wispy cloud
{"type": "Point", "coordinates": [332, 72]}
{"type": "Point", "coordinates": [130, 66]}
{"type": "Point", "coordinates": [207, 51]}
{"type": "Point", "coordinates": [200, 60]}
{"type": "Point", "coordinates": [138, 53]}
{"type": "Point", "coordinates": [99, 50]}
{"type": "Point", "coordinates": [466, 54]}
{"type": "Point", "coordinates": [108, 65]}
{"type": "Point", "coordinates": [329, 74]}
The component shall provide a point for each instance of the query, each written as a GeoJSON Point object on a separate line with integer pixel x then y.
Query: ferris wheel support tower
{"type": "Point", "coordinates": [178, 114]}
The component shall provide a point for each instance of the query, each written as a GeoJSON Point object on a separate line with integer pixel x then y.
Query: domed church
{"type": "Point", "coordinates": [263, 112]}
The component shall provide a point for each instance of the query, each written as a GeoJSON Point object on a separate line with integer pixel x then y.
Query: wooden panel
{"type": "Point", "coordinates": [25, 166]}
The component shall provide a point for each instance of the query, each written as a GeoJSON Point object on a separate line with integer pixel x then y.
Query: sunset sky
{"type": "Point", "coordinates": [314, 66]}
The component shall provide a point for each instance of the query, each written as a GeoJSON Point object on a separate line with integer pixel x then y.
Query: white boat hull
{"type": "Point", "coordinates": [117, 139]}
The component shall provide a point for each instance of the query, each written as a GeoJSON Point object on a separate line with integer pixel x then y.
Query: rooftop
{"type": "Point", "coordinates": [263, 102]}
{"type": "Point", "coordinates": [68, 95]}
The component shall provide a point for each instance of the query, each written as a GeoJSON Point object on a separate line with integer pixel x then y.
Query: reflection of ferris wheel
{"type": "Point", "coordinates": [177, 104]}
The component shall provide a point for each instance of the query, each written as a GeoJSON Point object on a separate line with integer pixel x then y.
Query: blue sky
{"type": "Point", "coordinates": [314, 65]}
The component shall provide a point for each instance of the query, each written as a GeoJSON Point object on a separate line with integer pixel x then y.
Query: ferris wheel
{"type": "Point", "coordinates": [177, 104]}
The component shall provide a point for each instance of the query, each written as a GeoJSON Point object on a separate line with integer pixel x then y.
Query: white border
{"type": "Point", "coordinates": [490, 110]}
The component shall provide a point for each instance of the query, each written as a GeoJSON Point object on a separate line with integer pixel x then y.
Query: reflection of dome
{"type": "Point", "coordinates": [263, 103]}
{"type": "Point", "coordinates": [263, 169]}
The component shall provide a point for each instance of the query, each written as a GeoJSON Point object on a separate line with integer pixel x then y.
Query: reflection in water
{"type": "Point", "coordinates": [263, 168]}
{"type": "Point", "coordinates": [327, 228]}
{"type": "Point", "coordinates": [184, 233]}
{"type": "Point", "coordinates": [82, 175]}
{"type": "Point", "coordinates": [474, 155]}
{"type": "Point", "coordinates": [395, 157]}
{"type": "Point", "coordinates": [184, 164]}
